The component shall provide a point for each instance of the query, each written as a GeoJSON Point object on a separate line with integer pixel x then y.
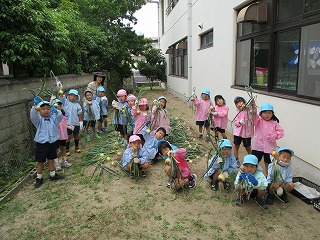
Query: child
{"type": "Point", "coordinates": [131, 100]}
{"type": "Point", "coordinates": [282, 183]}
{"type": "Point", "coordinates": [120, 119]}
{"type": "Point", "coordinates": [134, 152]}
{"type": "Point", "coordinates": [250, 181]}
{"type": "Point", "coordinates": [184, 176]}
{"type": "Point", "coordinates": [91, 114]}
{"type": "Point", "coordinates": [46, 122]}
{"type": "Point", "coordinates": [243, 128]}
{"type": "Point", "coordinates": [220, 116]}
{"type": "Point", "coordinates": [141, 117]}
{"type": "Point", "coordinates": [160, 116]}
{"type": "Point", "coordinates": [73, 112]}
{"type": "Point", "coordinates": [203, 107]}
{"type": "Point", "coordinates": [62, 141]}
{"type": "Point", "coordinates": [151, 141]}
{"type": "Point", "coordinates": [221, 168]}
{"type": "Point", "coordinates": [267, 131]}
{"type": "Point", "coordinates": [103, 103]}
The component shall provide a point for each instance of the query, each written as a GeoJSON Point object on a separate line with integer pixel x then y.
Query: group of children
{"type": "Point", "coordinates": [143, 129]}
{"type": "Point", "coordinates": [56, 121]}
{"type": "Point", "coordinates": [264, 129]}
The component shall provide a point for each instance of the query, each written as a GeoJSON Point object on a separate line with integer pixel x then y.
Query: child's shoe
{"type": "Point", "coordinates": [238, 162]}
{"type": "Point", "coordinates": [239, 201]}
{"type": "Point", "coordinates": [270, 199]}
{"type": "Point", "coordinates": [192, 181]}
{"type": "Point", "coordinates": [38, 183]}
{"type": "Point", "coordinates": [200, 135]}
{"type": "Point", "coordinates": [56, 177]}
{"type": "Point", "coordinates": [226, 185]}
{"type": "Point", "coordinates": [284, 197]}
{"type": "Point", "coordinates": [103, 130]}
{"type": "Point", "coordinates": [68, 153]}
{"type": "Point", "coordinates": [57, 165]}
{"type": "Point", "coordinates": [66, 164]}
{"type": "Point", "coordinates": [78, 150]}
{"type": "Point", "coordinates": [261, 203]}
{"type": "Point", "coordinates": [143, 173]}
{"type": "Point", "coordinates": [87, 137]}
{"type": "Point", "coordinates": [214, 185]}
{"type": "Point", "coordinates": [207, 138]}
{"type": "Point", "coordinates": [169, 183]}
{"type": "Point", "coordinates": [89, 132]}
{"type": "Point", "coordinates": [97, 136]}
{"type": "Point", "coordinates": [99, 132]}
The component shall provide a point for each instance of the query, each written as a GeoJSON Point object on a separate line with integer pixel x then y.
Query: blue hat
{"type": "Point", "coordinates": [55, 101]}
{"type": "Point", "coordinates": [73, 91]}
{"type": "Point", "coordinates": [266, 107]}
{"type": "Point", "coordinates": [101, 89]}
{"type": "Point", "coordinates": [252, 159]}
{"type": "Point", "coordinates": [206, 91]}
{"type": "Point", "coordinates": [87, 90]}
{"type": "Point", "coordinates": [285, 149]}
{"type": "Point", "coordinates": [162, 97]}
{"type": "Point", "coordinates": [40, 104]}
{"type": "Point", "coordinates": [225, 143]}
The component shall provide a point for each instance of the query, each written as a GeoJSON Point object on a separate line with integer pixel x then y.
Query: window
{"type": "Point", "coordinates": [178, 60]}
{"type": "Point", "coordinates": [171, 5]}
{"type": "Point", "coordinates": [309, 64]}
{"type": "Point", "coordinates": [243, 62]}
{"type": "Point", "coordinates": [283, 57]}
{"type": "Point", "coordinates": [206, 39]}
{"type": "Point", "coordinates": [287, 59]}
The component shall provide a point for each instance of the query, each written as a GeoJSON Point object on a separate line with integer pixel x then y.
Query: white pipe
{"type": "Point", "coordinates": [189, 38]}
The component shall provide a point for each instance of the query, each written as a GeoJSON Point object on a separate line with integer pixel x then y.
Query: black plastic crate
{"type": "Point", "coordinates": [308, 184]}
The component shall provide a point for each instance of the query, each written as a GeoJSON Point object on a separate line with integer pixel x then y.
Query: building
{"type": "Point", "coordinates": [274, 46]}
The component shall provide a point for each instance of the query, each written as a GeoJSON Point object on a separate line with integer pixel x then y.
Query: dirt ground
{"type": "Point", "coordinates": [121, 208]}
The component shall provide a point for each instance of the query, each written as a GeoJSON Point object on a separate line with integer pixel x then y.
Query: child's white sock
{"type": "Point", "coordinates": [39, 175]}
{"type": "Point", "coordinates": [52, 173]}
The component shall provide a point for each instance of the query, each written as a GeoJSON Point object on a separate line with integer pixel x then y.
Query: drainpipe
{"type": "Point", "coordinates": [189, 38]}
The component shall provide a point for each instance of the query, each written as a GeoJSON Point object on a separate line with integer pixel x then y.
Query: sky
{"type": "Point", "coordinates": [147, 20]}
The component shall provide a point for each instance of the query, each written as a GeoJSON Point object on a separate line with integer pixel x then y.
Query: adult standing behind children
{"type": "Point", "coordinates": [203, 108]}
{"type": "Point", "coordinates": [98, 81]}
{"type": "Point", "coordinates": [46, 121]}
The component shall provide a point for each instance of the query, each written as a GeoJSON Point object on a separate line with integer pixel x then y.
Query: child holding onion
{"type": "Point", "coordinates": [220, 116]}
{"type": "Point", "coordinates": [203, 108]}
{"type": "Point", "coordinates": [141, 116]}
{"type": "Point", "coordinates": [250, 182]}
{"type": "Point", "coordinates": [243, 128]}
{"type": "Point", "coordinates": [134, 154]}
{"type": "Point", "coordinates": [159, 117]}
{"type": "Point", "coordinates": [120, 118]}
{"type": "Point", "coordinates": [178, 172]}
{"type": "Point", "coordinates": [267, 130]}
{"type": "Point", "coordinates": [280, 176]}
{"type": "Point", "coordinates": [221, 166]}
{"type": "Point", "coordinates": [152, 141]}
{"type": "Point", "coordinates": [131, 100]}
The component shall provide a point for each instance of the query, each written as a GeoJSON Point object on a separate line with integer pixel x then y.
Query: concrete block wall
{"type": "Point", "coordinates": [16, 129]}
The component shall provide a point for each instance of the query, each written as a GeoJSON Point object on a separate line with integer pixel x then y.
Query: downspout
{"type": "Point", "coordinates": [189, 38]}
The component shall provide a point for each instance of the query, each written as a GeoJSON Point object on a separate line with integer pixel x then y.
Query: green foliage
{"type": "Point", "coordinates": [154, 68]}
{"type": "Point", "coordinates": [69, 36]}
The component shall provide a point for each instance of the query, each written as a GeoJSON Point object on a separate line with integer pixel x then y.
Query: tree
{"type": "Point", "coordinates": [154, 68]}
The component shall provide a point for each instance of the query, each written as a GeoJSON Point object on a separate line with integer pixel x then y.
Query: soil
{"type": "Point", "coordinates": [121, 208]}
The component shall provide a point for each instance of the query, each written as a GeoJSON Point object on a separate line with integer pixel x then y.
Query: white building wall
{"type": "Point", "coordinates": [214, 68]}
